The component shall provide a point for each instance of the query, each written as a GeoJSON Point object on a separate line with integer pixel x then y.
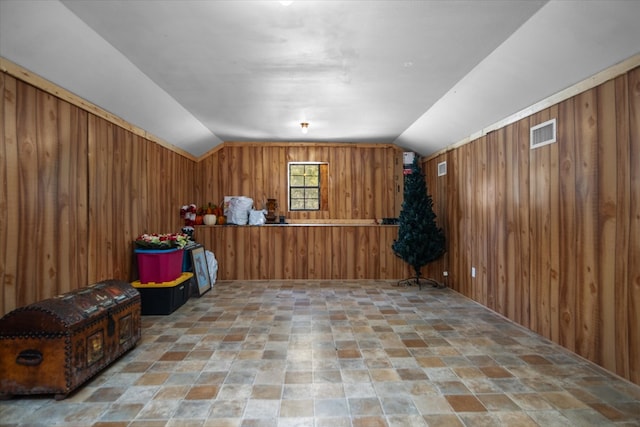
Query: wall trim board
{"type": "Point", "coordinates": [310, 144]}
{"type": "Point", "coordinates": [211, 152]}
{"type": "Point", "coordinates": [293, 144]}
{"type": "Point", "coordinates": [582, 86]}
{"type": "Point", "coordinates": [45, 85]}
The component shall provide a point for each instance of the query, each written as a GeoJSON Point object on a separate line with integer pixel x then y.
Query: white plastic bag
{"type": "Point", "coordinates": [239, 208]}
{"type": "Point", "coordinates": [212, 263]}
{"type": "Point", "coordinates": [257, 217]}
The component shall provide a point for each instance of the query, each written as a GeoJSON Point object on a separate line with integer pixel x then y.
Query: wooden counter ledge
{"type": "Point", "coordinates": [303, 249]}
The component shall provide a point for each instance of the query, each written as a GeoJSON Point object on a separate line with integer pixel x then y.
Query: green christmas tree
{"type": "Point", "coordinates": [420, 240]}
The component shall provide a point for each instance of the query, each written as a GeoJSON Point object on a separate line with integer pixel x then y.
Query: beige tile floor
{"type": "Point", "coordinates": [337, 354]}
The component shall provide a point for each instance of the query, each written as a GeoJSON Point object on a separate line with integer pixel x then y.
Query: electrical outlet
{"type": "Point", "coordinates": [473, 272]}
{"type": "Point", "coordinates": [445, 273]}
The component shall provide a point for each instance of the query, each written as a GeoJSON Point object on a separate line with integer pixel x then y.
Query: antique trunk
{"type": "Point", "coordinates": [55, 345]}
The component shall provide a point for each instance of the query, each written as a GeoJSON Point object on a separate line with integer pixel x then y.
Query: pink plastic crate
{"type": "Point", "coordinates": [159, 266]}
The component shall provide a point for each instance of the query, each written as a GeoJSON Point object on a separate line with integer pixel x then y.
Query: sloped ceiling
{"type": "Point", "coordinates": [420, 74]}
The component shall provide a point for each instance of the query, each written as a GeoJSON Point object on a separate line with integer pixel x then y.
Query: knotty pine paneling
{"type": "Point", "coordinates": [567, 215]}
{"type": "Point", "coordinates": [620, 322]}
{"type": "Point", "coordinates": [362, 177]}
{"type": "Point", "coordinates": [540, 207]}
{"type": "Point", "coordinates": [362, 184]}
{"type": "Point", "coordinates": [586, 125]}
{"type": "Point", "coordinates": [498, 231]}
{"type": "Point", "coordinates": [9, 196]}
{"type": "Point", "coordinates": [72, 197]}
{"type": "Point", "coordinates": [468, 200]}
{"type": "Point", "coordinates": [435, 269]}
{"type": "Point", "coordinates": [606, 215]}
{"type": "Point", "coordinates": [136, 186]}
{"type": "Point", "coordinates": [323, 252]}
{"type": "Point", "coordinates": [480, 214]}
{"type": "Point", "coordinates": [28, 189]}
{"type": "Point", "coordinates": [525, 248]}
{"type": "Point", "coordinates": [75, 190]}
{"type": "Point", "coordinates": [555, 231]}
{"type": "Point", "coordinates": [633, 284]}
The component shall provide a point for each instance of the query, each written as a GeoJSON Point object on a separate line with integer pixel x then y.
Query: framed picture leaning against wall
{"type": "Point", "coordinates": [200, 270]}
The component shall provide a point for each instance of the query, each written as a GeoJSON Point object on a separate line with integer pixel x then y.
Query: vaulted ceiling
{"type": "Point", "coordinates": [420, 74]}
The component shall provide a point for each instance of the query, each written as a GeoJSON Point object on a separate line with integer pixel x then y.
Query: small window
{"type": "Point", "coordinates": [307, 186]}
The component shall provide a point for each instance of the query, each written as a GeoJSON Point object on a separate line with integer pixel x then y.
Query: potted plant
{"type": "Point", "coordinates": [160, 256]}
{"type": "Point", "coordinates": [162, 241]}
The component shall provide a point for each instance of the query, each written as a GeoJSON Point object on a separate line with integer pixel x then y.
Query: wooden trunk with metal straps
{"type": "Point", "coordinates": [55, 345]}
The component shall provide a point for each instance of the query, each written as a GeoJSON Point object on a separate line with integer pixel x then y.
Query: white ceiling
{"type": "Point", "coordinates": [420, 74]}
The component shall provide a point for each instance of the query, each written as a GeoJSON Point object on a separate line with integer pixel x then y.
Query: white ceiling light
{"type": "Point", "coordinates": [286, 3]}
{"type": "Point", "coordinates": [305, 127]}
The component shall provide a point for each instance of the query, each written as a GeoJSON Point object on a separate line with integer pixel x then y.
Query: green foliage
{"type": "Point", "coordinates": [420, 240]}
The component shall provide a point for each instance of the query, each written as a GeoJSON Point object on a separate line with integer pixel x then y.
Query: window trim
{"type": "Point", "coordinates": [322, 187]}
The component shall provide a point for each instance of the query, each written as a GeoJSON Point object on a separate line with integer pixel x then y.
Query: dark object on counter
{"type": "Point", "coordinates": [282, 219]}
{"type": "Point", "coordinates": [389, 221]}
{"type": "Point", "coordinates": [55, 345]}
{"type": "Point", "coordinates": [272, 205]}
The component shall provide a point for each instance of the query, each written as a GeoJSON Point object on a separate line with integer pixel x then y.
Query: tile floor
{"type": "Point", "coordinates": [337, 354]}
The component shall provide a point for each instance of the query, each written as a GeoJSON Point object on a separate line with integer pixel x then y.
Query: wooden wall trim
{"type": "Point", "coordinates": [45, 85]}
{"type": "Point", "coordinates": [582, 86]}
{"type": "Point", "coordinates": [288, 144]}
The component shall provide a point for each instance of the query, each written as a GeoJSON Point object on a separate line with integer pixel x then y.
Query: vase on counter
{"type": "Point", "coordinates": [272, 205]}
{"type": "Point", "coordinates": [209, 219]}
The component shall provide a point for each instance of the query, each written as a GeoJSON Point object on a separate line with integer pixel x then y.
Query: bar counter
{"type": "Point", "coordinates": [319, 250]}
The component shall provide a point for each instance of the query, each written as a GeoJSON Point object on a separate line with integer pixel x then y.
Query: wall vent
{"type": "Point", "coordinates": [543, 134]}
{"type": "Point", "coordinates": [442, 168]}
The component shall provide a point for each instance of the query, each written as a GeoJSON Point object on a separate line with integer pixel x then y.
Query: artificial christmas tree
{"type": "Point", "coordinates": [420, 240]}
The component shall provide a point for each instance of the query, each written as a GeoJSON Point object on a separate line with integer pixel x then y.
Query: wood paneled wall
{"type": "Point", "coordinates": [75, 190]}
{"type": "Point", "coordinates": [365, 181]}
{"type": "Point", "coordinates": [325, 252]}
{"type": "Point", "coordinates": [554, 233]}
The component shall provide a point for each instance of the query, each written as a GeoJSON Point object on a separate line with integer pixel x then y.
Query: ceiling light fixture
{"type": "Point", "coordinates": [305, 127]}
{"type": "Point", "coordinates": [286, 3]}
